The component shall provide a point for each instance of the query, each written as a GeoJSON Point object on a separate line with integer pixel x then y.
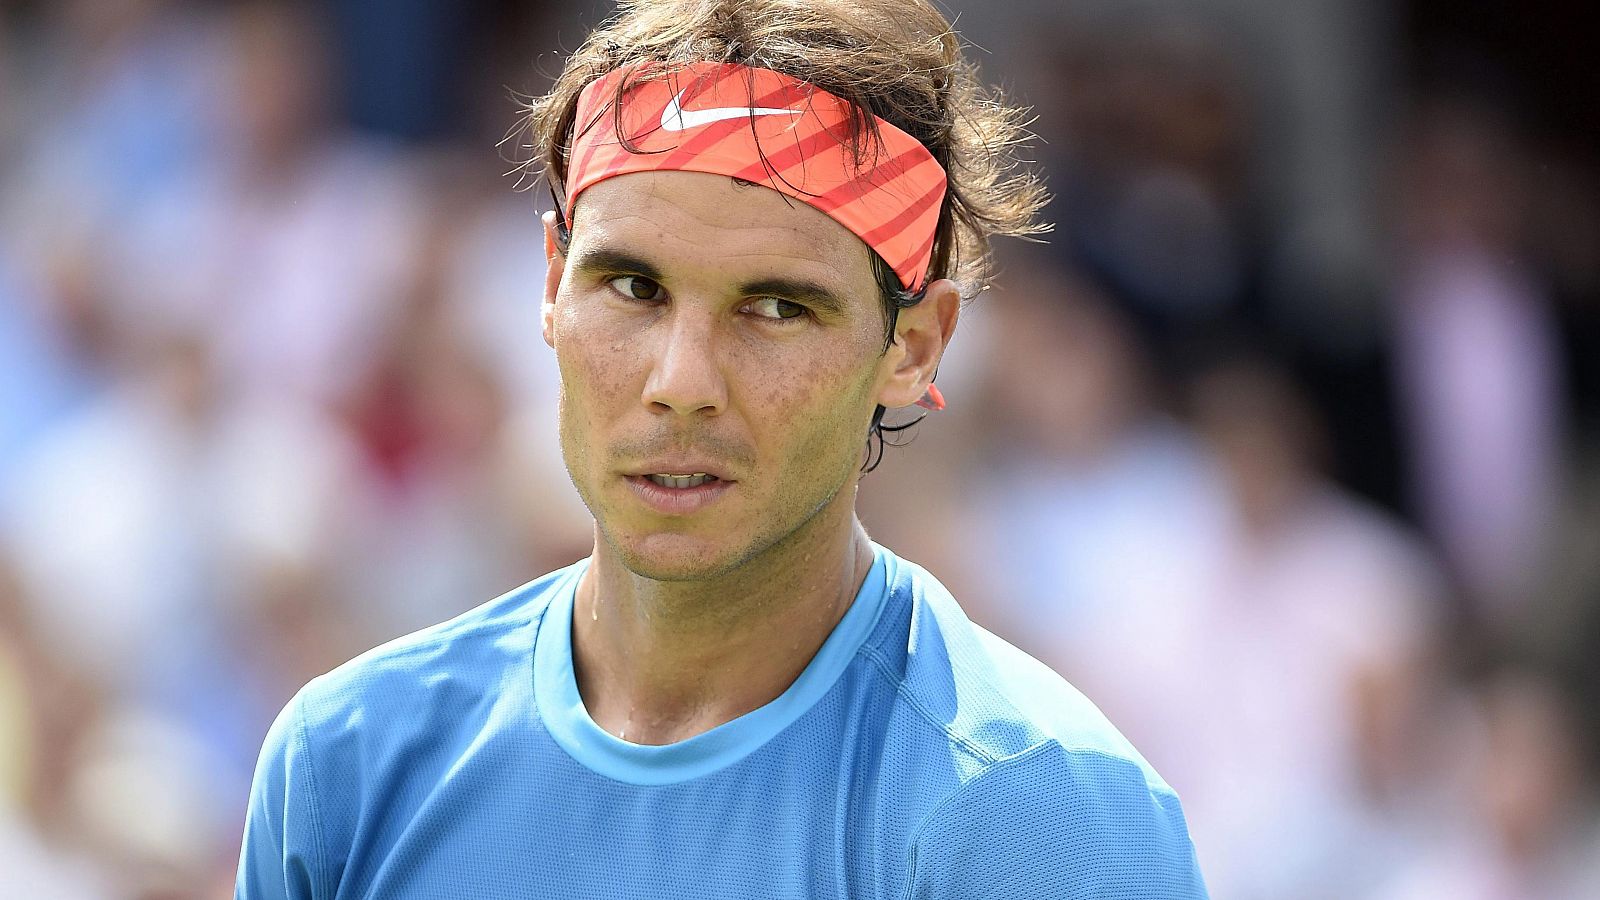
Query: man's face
{"type": "Point", "coordinates": [707, 326]}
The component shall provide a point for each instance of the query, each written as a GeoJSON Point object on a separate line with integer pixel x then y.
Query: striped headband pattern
{"type": "Point", "coordinates": [764, 127]}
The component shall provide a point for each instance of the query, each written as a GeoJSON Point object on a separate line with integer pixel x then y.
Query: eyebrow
{"type": "Point", "coordinates": [811, 293]}
{"type": "Point", "coordinates": [605, 259]}
{"type": "Point", "coordinates": [808, 292]}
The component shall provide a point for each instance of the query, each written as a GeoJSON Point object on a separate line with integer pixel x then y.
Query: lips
{"type": "Point", "coordinates": [682, 481]}
{"type": "Point", "coordinates": [678, 473]}
{"type": "Point", "coordinates": [678, 493]}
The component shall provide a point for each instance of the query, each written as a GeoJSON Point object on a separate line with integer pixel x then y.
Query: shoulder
{"type": "Point", "coordinates": [443, 668]}
{"type": "Point", "coordinates": [448, 663]}
{"type": "Point", "coordinates": [1053, 801]}
{"type": "Point", "coordinates": [988, 696]}
{"type": "Point", "coordinates": [1060, 822]}
{"type": "Point", "coordinates": [381, 729]}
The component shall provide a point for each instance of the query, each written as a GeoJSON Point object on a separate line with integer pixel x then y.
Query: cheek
{"type": "Point", "coordinates": [599, 364]}
{"type": "Point", "coordinates": [819, 398]}
{"type": "Point", "coordinates": [593, 381]}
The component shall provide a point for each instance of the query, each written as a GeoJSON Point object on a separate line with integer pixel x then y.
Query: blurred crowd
{"type": "Point", "coordinates": [1284, 447]}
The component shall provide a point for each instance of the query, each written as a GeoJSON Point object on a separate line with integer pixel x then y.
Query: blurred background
{"type": "Point", "coordinates": [1284, 446]}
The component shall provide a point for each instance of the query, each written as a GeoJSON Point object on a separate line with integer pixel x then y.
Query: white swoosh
{"type": "Point", "coordinates": [676, 118]}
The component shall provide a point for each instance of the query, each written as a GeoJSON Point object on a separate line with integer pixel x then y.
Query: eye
{"type": "Point", "coordinates": [775, 308]}
{"type": "Point", "coordinates": [637, 287]}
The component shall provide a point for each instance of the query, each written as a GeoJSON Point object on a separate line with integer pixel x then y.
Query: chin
{"type": "Point", "coordinates": [669, 556]}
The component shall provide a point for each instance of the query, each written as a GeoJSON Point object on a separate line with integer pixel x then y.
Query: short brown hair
{"type": "Point", "coordinates": [897, 60]}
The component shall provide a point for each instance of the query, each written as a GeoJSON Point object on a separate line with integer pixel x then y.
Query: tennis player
{"type": "Point", "coordinates": [769, 212]}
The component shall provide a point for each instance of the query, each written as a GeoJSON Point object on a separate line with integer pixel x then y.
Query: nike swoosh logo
{"type": "Point", "coordinates": [676, 118]}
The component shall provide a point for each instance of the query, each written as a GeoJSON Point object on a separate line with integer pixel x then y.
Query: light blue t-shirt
{"type": "Point", "coordinates": [917, 756]}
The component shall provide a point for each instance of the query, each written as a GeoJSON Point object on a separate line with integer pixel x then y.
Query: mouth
{"type": "Point", "coordinates": [679, 482]}
{"type": "Point", "coordinates": [678, 493]}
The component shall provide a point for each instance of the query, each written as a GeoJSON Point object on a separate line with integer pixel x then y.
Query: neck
{"type": "Point", "coordinates": [658, 662]}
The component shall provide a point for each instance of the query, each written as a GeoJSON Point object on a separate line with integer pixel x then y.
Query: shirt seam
{"type": "Point", "coordinates": [319, 863]}
{"type": "Point", "coordinates": [881, 666]}
{"type": "Point", "coordinates": [961, 790]}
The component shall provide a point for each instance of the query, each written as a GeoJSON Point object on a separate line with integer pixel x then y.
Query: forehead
{"type": "Point", "coordinates": [700, 219]}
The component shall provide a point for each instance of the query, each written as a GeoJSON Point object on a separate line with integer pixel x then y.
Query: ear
{"type": "Point", "coordinates": [555, 265]}
{"type": "Point", "coordinates": [920, 335]}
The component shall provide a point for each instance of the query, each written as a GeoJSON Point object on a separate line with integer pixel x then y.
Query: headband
{"type": "Point", "coordinates": [762, 126]}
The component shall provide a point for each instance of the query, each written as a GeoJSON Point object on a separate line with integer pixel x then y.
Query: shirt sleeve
{"type": "Point", "coordinates": [281, 855]}
{"type": "Point", "coordinates": [1058, 824]}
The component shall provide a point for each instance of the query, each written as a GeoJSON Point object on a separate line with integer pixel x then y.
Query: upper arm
{"type": "Point", "coordinates": [1047, 823]}
{"type": "Point", "coordinates": [281, 855]}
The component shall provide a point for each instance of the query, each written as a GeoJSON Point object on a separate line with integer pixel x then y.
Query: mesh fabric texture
{"type": "Point", "coordinates": [938, 763]}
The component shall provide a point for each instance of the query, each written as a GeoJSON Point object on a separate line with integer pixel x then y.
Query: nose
{"type": "Point", "coordinates": [686, 377]}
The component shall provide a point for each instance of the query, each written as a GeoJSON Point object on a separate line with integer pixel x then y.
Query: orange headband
{"type": "Point", "coordinates": [765, 127]}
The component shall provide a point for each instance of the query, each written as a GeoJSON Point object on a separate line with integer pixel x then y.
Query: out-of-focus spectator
{"type": "Point", "coordinates": [1263, 635]}
{"type": "Point", "coordinates": [39, 379]}
{"type": "Point", "coordinates": [1096, 520]}
{"type": "Point", "coordinates": [289, 243]}
{"type": "Point", "coordinates": [1315, 659]}
{"type": "Point", "coordinates": [116, 96]}
{"type": "Point", "coordinates": [46, 709]}
{"type": "Point", "coordinates": [1520, 821]}
{"type": "Point", "coordinates": [488, 277]}
{"type": "Point", "coordinates": [1478, 355]}
{"type": "Point", "coordinates": [109, 519]}
{"type": "Point", "coordinates": [1154, 190]}
{"type": "Point", "coordinates": [430, 416]}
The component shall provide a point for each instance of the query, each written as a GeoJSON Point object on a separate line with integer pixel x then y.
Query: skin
{"type": "Point", "coordinates": [685, 621]}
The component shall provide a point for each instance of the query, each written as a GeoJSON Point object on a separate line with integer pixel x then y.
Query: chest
{"type": "Point", "coordinates": [531, 823]}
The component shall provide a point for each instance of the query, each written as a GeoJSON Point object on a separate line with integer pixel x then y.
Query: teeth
{"type": "Point", "coordinates": [682, 481]}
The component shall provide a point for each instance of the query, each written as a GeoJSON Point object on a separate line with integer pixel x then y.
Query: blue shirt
{"type": "Point", "coordinates": [917, 756]}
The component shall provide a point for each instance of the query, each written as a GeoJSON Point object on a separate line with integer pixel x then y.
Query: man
{"type": "Point", "coordinates": [769, 210]}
